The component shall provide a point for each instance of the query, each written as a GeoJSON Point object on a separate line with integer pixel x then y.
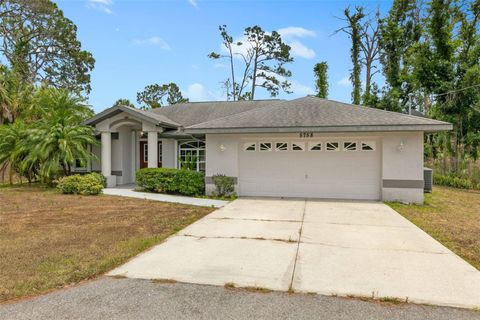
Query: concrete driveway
{"type": "Point", "coordinates": [327, 247]}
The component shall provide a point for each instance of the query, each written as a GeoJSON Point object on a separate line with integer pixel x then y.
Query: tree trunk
{"type": "Point", "coordinates": [254, 75]}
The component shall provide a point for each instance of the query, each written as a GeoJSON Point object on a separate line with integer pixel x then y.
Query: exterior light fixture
{"type": "Point", "coordinates": [401, 146]}
{"type": "Point", "coordinates": [222, 147]}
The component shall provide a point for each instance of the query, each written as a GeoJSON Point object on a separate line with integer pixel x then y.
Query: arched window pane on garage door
{"type": "Point", "coordinates": [191, 155]}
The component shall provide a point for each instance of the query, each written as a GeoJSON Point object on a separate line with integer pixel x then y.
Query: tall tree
{"type": "Point", "coordinates": [262, 57]}
{"type": "Point", "coordinates": [155, 95]}
{"type": "Point", "coordinates": [321, 79]}
{"type": "Point", "coordinates": [370, 50]}
{"type": "Point", "coordinates": [400, 31]}
{"type": "Point", "coordinates": [41, 45]}
{"type": "Point", "coordinates": [355, 33]}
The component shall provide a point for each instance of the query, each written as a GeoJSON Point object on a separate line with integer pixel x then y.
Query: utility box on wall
{"type": "Point", "coordinates": [428, 180]}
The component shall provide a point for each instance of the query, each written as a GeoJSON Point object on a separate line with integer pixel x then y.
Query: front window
{"type": "Point", "coordinates": [191, 155]}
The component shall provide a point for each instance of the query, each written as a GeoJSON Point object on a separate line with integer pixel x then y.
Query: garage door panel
{"type": "Point", "coordinates": [319, 174]}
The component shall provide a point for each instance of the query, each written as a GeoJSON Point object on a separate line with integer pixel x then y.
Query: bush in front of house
{"type": "Point", "coordinates": [224, 186]}
{"type": "Point", "coordinates": [89, 184]}
{"type": "Point", "coordinates": [168, 180]}
{"type": "Point", "coordinates": [453, 181]}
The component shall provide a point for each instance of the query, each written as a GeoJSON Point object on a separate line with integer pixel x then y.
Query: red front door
{"type": "Point", "coordinates": [144, 154]}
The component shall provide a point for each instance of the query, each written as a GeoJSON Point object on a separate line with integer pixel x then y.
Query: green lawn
{"type": "Point", "coordinates": [452, 216]}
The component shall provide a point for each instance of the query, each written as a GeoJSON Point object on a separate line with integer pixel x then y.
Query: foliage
{"type": "Point", "coordinates": [453, 181]}
{"type": "Point", "coordinates": [262, 55]}
{"type": "Point", "coordinates": [14, 152]}
{"type": "Point", "coordinates": [41, 45]}
{"type": "Point", "coordinates": [320, 70]}
{"type": "Point", "coordinates": [154, 95]}
{"type": "Point", "coordinates": [15, 96]}
{"type": "Point", "coordinates": [168, 180]}
{"type": "Point", "coordinates": [50, 143]}
{"type": "Point", "coordinates": [89, 184]}
{"type": "Point", "coordinates": [123, 102]}
{"type": "Point", "coordinates": [224, 185]}
{"type": "Point", "coordinates": [354, 31]}
{"type": "Point", "coordinates": [189, 162]}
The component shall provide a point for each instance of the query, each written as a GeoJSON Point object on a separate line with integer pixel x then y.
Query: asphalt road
{"type": "Point", "coordinates": [110, 298]}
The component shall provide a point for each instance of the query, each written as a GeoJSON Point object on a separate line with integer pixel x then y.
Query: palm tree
{"type": "Point", "coordinates": [13, 151]}
{"type": "Point", "coordinates": [59, 138]}
{"type": "Point", "coordinates": [15, 96]}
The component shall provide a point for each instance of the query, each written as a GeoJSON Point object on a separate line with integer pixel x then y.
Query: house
{"type": "Point", "coordinates": [307, 147]}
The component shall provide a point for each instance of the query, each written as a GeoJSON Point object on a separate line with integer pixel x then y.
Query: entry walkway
{"type": "Point", "coordinates": [128, 191]}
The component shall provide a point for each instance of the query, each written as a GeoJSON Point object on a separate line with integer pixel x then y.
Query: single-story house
{"type": "Point", "coordinates": [307, 147]}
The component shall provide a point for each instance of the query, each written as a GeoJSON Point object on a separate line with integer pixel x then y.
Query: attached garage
{"type": "Point", "coordinates": [334, 168]}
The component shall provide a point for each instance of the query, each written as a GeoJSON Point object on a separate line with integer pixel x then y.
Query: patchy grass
{"type": "Point", "coordinates": [451, 216]}
{"type": "Point", "coordinates": [49, 240]}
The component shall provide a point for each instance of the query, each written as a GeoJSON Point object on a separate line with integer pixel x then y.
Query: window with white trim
{"type": "Point", "coordinates": [265, 146]}
{"type": "Point", "coordinates": [298, 146]}
{"type": "Point", "coordinates": [281, 146]}
{"type": "Point", "coordinates": [368, 145]}
{"type": "Point", "coordinates": [191, 155]}
{"type": "Point", "coordinates": [332, 146]}
{"type": "Point", "coordinates": [249, 146]}
{"type": "Point", "coordinates": [315, 146]}
{"type": "Point", "coordinates": [349, 146]}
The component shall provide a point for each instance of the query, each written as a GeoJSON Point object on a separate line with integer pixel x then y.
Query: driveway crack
{"type": "Point", "coordinates": [290, 287]}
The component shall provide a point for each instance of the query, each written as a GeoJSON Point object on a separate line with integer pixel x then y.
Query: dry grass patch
{"type": "Point", "coordinates": [49, 240]}
{"type": "Point", "coordinates": [451, 216]}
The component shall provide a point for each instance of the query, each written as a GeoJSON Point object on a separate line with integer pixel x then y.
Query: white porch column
{"type": "Point", "coordinates": [107, 159]}
{"type": "Point", "coordinates": [106, 154]}
{"type": "Point", "coordinates": [152, 149]}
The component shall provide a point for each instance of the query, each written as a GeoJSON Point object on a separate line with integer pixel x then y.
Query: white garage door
{"type": "Point", "coordinates": [330, 169]}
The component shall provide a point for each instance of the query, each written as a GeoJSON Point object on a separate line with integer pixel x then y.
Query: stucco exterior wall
{"type": "Point", "coordinates": [402, 164]}
{"type": "Point", "coordinates": [168, 153]}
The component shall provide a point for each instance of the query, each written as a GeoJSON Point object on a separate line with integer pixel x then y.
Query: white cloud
{"type": "Point", "coordinates": [296, 32]}
{"type": "Point", "coordinates": [156, 41]}
{"type": "Point", "coordinates": [300, 89]}
{"type": "Point", "coordinates": [197, 92]}
{"type": "Point", "coordinates": [298, 49]}
{"type": "Point", "coordinates": [344, 82]}
{"type": "Point", "coordinates": [220, 65]}
{"type": "Point", "coordinates": [193, 3]}
{"type": "Point", "coordinates": [289, 35]}
{"type": "Point", "coordinates": [101, 5]}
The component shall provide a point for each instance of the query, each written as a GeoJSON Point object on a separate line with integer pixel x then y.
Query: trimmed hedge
{"type": "Point", "coordinates": [89, 184]}
{"type": "Point", "coordinates": [168, 180]}
{"type": "Point", "coordinates": [453, 181]}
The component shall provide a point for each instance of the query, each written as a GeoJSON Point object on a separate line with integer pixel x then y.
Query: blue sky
{"type": "Point", "coordinates": [136, 43]}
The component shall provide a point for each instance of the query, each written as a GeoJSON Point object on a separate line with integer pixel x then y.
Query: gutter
{"type": "Point", "coordinates": [373, 128]}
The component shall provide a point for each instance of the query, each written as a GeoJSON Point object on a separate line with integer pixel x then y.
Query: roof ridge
{"type": "Point", "coordinates": [238, 113]}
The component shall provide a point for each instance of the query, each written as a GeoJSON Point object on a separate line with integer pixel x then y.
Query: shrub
{"type": "Point", "coordinates": [168, 180]}
{"type": "Point", "coordinates": [224, 185]}
{"type": "Point", "coordinates": [453, 181]}
{"type": "Point", "coordinates": [89, 184]}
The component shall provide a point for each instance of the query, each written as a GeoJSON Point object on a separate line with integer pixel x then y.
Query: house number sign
{"type": "Point", "coordinates": [306, 134]}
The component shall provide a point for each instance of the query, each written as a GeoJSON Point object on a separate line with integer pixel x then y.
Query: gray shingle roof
{"type": "Point", "coordinates": [197, 112]}
{"type": "Point", "coordinates": [317, 115]}
{"type": "Point", "coordinates": [309, 113]}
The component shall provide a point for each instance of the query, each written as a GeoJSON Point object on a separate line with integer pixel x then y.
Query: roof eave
{"type": "Point", "coordinates": [117, 109]}
{"type": "Point", "coordinates": [371, 128]}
